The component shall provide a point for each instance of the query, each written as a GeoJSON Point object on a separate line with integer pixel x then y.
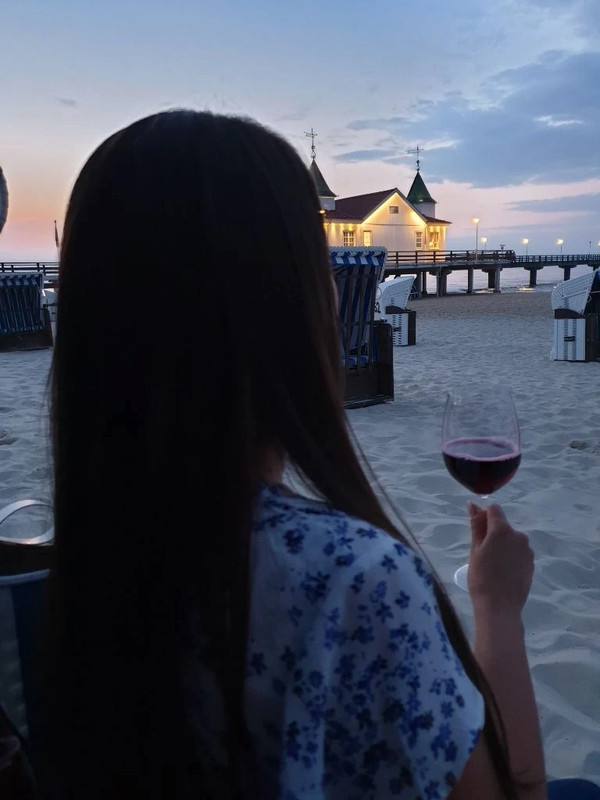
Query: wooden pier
{"type": "Point", "coordinates": [440, 263]}
{"type": "Point", "coordinates": [422, 263]}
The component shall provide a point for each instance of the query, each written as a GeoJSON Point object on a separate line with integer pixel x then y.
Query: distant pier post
{"type": "Point", "coordinates": [470, 272]}
{"type": "Point", "coordinates": [424, 282]}
{"type": "Point", "coordinates": [567, 271]}
{"type": "Point", "coordinates": [494, 278]}
{"type": "Point", "coordinates": [532, 277]}
{"type": "Point", "coordinates": [441, 277]}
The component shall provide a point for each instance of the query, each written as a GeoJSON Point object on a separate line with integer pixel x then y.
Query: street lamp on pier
{"type": "Point", "coordinates": [560, 243]}
{"type": "Point", "coordinates": [476, 222]}
{"type": "Point", "coordinates": [526, 243]}
{"type": "Point", "coordinates": [484, 241]}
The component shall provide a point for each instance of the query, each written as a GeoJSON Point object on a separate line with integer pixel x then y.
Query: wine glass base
{"type": "Point", "coordinates": [460, 578]}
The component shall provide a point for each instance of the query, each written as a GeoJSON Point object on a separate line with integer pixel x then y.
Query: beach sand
{"type": "Point", "coordinates": [554, 496]}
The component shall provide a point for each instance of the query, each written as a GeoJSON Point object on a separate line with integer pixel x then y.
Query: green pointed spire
{"type": "Point", "coordinates": [322, 189]}
{"type": "Point", "coordinates": [418, 192]}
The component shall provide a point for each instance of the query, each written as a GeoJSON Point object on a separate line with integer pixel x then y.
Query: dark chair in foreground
{"type": "Point", "coordinates": [24, 320]}
{"type": "Point", "coordinates": [366, 343]}
{"type": "Point", "coordinates": [24, 566]}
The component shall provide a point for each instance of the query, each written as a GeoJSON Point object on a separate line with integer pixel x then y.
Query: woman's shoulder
{"type": "Point", "coordinates": [313, 533]}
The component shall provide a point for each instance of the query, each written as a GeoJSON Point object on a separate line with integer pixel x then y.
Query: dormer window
{"type": "Point", "coordinates": [394, 209]}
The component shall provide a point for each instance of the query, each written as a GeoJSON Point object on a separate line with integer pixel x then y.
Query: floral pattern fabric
{"type": "Point", "coordinates": [352, 688]}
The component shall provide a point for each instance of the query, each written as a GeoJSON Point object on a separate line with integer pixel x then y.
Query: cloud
{"type": "Point", "coordinates": [372, 154]}
{"type": "Point", "coordinates": [552, 122]}
{"type": "Point", "coordinates": [66, 101]}
{"type": "Point", "coordinates": [293, 116]}
{"type": "Point", "coordinates": [581, 203]}
{"type": "Point", "coordinates": [542, 127]}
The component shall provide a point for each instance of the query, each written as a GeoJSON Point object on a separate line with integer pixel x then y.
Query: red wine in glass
{"type": "Point", "coordinates": [482, 464]}
{"type": "Point", "coordinates": [481, 442]}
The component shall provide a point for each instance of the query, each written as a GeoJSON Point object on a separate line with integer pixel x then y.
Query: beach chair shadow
{"type": "Point", "coordinates": [24, 319]}
{"type": "Point", "coordinates": [365, 343]}
{"type": "Point", "coordinates": [24, 567]}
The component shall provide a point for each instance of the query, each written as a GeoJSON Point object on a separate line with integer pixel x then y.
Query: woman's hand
{"type": "Point", "coordinates": [500, 564]}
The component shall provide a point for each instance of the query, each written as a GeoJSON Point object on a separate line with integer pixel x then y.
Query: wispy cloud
{"type": "Point", "coordinates": [552, 122]}
{"type": "Point", "coordinates": [373, 154]}
{"type": "Point", "coordinates": [293, 116]}
{"type": "Point", "coordinates": [66, 101]}
{"type": "Point", "coordinates": [580, 203]}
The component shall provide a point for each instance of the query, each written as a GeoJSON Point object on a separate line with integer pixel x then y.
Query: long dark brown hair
{"type": "Point", "coordinates": [195, 328]}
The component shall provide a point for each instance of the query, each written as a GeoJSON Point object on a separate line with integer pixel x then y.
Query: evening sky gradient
{"type": "Point", "coordinates": [504, 97]}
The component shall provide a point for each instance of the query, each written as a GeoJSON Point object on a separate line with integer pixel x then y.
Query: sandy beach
{"type": "Point", "coordinates": [554, 497]}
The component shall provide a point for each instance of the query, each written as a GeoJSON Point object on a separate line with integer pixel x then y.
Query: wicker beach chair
{"type": "Point", "coordinates": [393, 297]}
{"type": "Point", "coordinates": [395, 293]}
{"type": "Point", "coordinates": [24, 320]}
{"type": "Point", "coordinates": [576, 306]}
{"type": "Point", "coordinates": [575, 294]}
{"type": "Point", "coordinates": [24, 566]}
{"type": "Point", "coordinates": [366, 347]}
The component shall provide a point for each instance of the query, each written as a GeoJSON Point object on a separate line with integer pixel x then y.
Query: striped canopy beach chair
{"type": "Point", "coordinates": [366, 343]}
{"type": "Point", "coordinates": [24, 320]}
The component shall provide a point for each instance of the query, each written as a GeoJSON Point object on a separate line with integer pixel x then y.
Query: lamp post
{"type": "Point", "coordinates": [476, 222]}
{"type": "Point", "coordinates": [484, 241]}
{"type": "Point", "coordinates": [526, 243]}
{"type": "Point", "coordinates": [560, 243]}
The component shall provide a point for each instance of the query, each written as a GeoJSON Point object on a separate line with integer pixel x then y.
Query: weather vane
{"type": "Point", "coordinates": [416, 151]}
{"type": "Point", "coordinates": [312, 135]}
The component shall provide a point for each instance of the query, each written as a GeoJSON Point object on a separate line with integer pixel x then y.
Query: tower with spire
{"type": "Point", "coordinates": [418, 195]}
{"type": "Point", "coordinates": [326, 196]}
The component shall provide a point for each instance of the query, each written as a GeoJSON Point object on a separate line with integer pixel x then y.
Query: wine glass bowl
{"type": "Point", "coordinates": [481, 441]}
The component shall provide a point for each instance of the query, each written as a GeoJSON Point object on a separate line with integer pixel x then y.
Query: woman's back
{"type": "Point", "coordinates": [199, 645]}
{"type": "Point", "coordinates": [352, 687]}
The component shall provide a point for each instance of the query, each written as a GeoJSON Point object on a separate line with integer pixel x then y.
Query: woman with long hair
{"type": "Point", "coordinates": [213, 633]}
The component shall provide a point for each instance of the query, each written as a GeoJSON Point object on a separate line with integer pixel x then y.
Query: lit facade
{"type": "Point", "coordinates": [383, 219]}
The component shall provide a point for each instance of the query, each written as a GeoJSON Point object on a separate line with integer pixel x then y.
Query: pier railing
{"type": "Point", "coordinates": [483, 258]}
{"type": "Point", "coordinates": [439, 263]}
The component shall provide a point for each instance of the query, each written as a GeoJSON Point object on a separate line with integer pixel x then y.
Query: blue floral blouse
{"type": "Point", "coordinates": [353, 689]}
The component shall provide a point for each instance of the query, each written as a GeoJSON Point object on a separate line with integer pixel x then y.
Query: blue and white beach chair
{"type": "Point", "coordinates": [365, 342]}
{"type": "Point", "coordinates": [24, 320]}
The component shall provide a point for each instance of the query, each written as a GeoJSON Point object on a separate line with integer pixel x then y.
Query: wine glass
{"type": "Point", "coordinates": [481, 442]}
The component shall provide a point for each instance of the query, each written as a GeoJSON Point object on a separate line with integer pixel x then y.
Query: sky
{"type": "Point", "coordinates": [503, 97]}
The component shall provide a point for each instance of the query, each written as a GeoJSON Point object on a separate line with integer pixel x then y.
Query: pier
{"type": "Point", "coordinates": [440, 263]}
{"type": "Point", "coordinates": [422, 263]}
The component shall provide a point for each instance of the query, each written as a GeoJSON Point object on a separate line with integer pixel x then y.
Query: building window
{"type": "Point", "coordinates": [393, 209]}
{"type": "Point", "coordinates": [418, 240]}
{"type": "Point", "coordinates": [434, 240]}
{"type": "Point", "coordinates": [348, 238]}
{"type": "Point", "coordinates": [367, 238]}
